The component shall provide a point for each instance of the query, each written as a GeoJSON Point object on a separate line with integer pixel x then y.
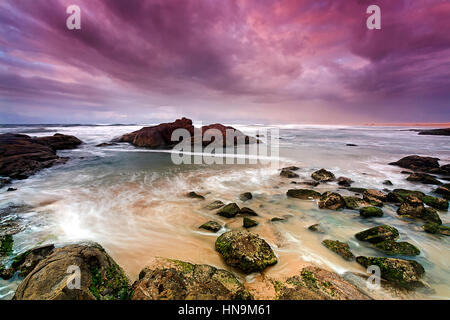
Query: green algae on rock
{"type": "Point", "coordinates": [331, 201]}
{"type": "Point", "coordinates": [353, 203]}
{"type": "Point", "coordinates": [248, 223]}
{"type": "Point", "coordinates": [6, 245]}
{"type": "Point", "coordinates": [229, 211]}
{"type": "Point", "coordinates": [367, 212]}
{"type": "Point", "coordinates": [303, 194]}
{"type": "Point", "coordinates": [167, 279]}
{"type": "Point", "coordinates": [286, 173]}
{"type": "Point", "coordinates": [435, 202]}
{"type": "Point", "coordinates": [211, 226]}
{"type": "Point", "coordinates": [323, 175]}
{"type": "Point", "coordinates": [400, 195]}
{"type": "Point", "coordinates": [413, 207]}
{"type": "Point", "coordinates": [434, 228]}
{"type": "Point", "coordinates": [246, 251]}
{"type": "Point", "coordinates": [340, 248]}
{"type": "Point", "coordinates": [378, 234]}
{"type": "Point", "coordinates": [393, 248]}
{"type": "Point", "coordinates": [444, 191]}
{"type": "Point", "coordinates": [403, 273]}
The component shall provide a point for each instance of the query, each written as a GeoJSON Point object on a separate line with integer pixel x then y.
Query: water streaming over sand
{"type": "Point", "coordinates": [134, 203]}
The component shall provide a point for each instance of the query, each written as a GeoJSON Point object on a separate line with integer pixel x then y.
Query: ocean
{"type": "Point", "coordinates": [133, 201]}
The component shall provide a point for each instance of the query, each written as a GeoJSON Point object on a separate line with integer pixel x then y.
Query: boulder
{"type": "Point", "coordinates": [400, 195]}
{"type": "Point", "coordinates": [357, 190]}
{"type": "Point", "coordinates": [323, 175]}
{"type": "Point", "coordinates": [372, 195]}
{"type": "Point", "coordinates": [215, 205]}
{"type": "Point", "coordinates": [4, 182]}
{"type": "Point", "coordinates": [288, 174]}
{"type": "Point", "coordinates": [246, 251]}
{"type": "Point", "coordinates": [388, 183]}
{"type": "Point", "coordinates": [249, 223]}
{"type": "Point", "coordinates": [423, 178]}
{"type": "Point", "coordinates": [11, 189]}
{"type": "Point", "coordinates": [332, 201]}
{"type": "Point", "coordinates": [345, 182]}
{"type": "Point", "coordinates": [244, 211]}
{"type": "Point", "coordinates": [304, 194]}
{"type": "Point", "coordinates": [340, 248]}
{"type": "Point", "coordinates": [378, 234]}
{"type": "Point", "coordinates": [413, 207]}
{"type": "Point", "coordinates": [291, 168]}
{"type": "Point", "coordinates": [435, 202]}
{"type": "Point", "coordinates": [444, 190]}
{"type": "Point", "coordinates": [403, 273]}
{"type": "Point", "coordinates": [311, 183]}
{"type": "Point", "coordinates": [101, 277]}
{"type": "Point", "coordinates": [22, 156]}
{"type": "Point", "coordinates": [316, 228]}
{"type": "Point", "coordinates": [167, 279]}
{"type": "Point", "coordinates": [211, 226]}
{"type": "Point", "coordinates": [393, 248]}
{"type": "Point", "coordinates": [442, 170]}
{"type": "Point", "coordinates": [417, 163]}
{"type": "Point", "coordinates": [354, 203]}
{"type": "Point", "coordinates": [229, 211]}
{"type": "Point", "coordinates": [245, 196]}
{"type": "Point", "coordinates": [195, 195]}
{"type": "Point", "coordinates": [368, 212]}
{"type": "Point", "coordinates": [6, 245]}
{"type": "Point", "coordinates": [435, 228]}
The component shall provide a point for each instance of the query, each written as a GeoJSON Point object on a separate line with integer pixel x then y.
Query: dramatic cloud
{"type": "Point", "coordinates": [234, 61]}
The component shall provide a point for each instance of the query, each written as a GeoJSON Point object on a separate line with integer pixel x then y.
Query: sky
{"type": "Point", "coordinates": [230, 61]}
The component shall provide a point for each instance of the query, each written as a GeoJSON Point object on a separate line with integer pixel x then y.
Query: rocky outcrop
{"type": "Point", "coordinates": [368, 212]}
{"type": "Point", "coordinates": [246, 251]}
{"type": "Point", "coordinates": [167, 279]}
{"type": "Point", "coordinates": [403, 273]}
{"type": "Point", "coordinates": [22, 156]}
{"type": "Point", "coordinates": [400, 195]}
{"type": "Point", "coordinates": [423, 178]}
{"type": "Point", "coordinates": [393, 248]}
{"type": "Point", "coordinates": [413, 207]}
{"type": "Point", "coordinates": [332, 201]}
{"type": "Point", "coordinates": [304, 194]}
{"type": "Point", "coordinates": [101, 277]}
{"type": "Point", "coordinates": [417, 163]}
{"type": "Point", "coordinates": [378, 234]}
{"type": "Point", "coordinates": [340, 248]}
{"type": "Point", "coordinates": [160, 136]}
{"type": "Point", "coordinates": [436, 132]}
{"type": "Point", "coordinates": [229, 211]}
{"type": "Point", "coordinates": [323, 175]}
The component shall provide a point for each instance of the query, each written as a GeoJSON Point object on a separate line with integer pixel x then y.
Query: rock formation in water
{"type": "Point", "coordinates": [436, 132]}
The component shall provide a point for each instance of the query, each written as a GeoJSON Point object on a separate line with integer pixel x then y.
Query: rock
{"type": "Point", "coordinates": [211, 226]}
{"type": "Point", "coordinates": [5, 274]}
{"type": "Point", "coordinates": [25, 263]}
{"type": "Point", "coordinates": [354, 203]}
{"type": "Point", "coordinates": [245, 196]}
{"type": "Point", "coordinates": [236, 137]}
{"type": "Point", "coordinates": [291, 168]}
{"type": "Point", "coordinates": [393, 248]}
{"type": "Point", "coordinates": [400, 272]}
{"type": "Point", "coordinates": [442, 170]}
{"type": "Point", "coordinates": [423, 178]}
{"type": "Point", "coordinates": [368, 212]}
{"type": "Point", "coordinates": [374, 195]}
{"type": "Point", "coordinates": [323, 175]}
{"type": "Point", "coordinates": [101, 277]}
{"type": "Point", "coordinates": [345, 182]}
{"type": "Point", "coordinates": [6, 245]}
{"type": "Point", "coordinates": [288, 174]}
{"type": "Point", "coordinates": [357, 190]}
{"type": "Point", "coordinates": [195, 195]}
{"type": "Point", "coordinates": [351, 145]}
{"type": "Point", "coordinates": [244, 211]}
{"type": "Point", "coordinates": [229, 211]}
{"type": "Point", "coordinates": [332, 201]}
{"type": "Point", "coordinates": [388, 183]}
{"type": "Point", "coordinates": [278, 219]}
{"type": "Point", "coordinates": [400, 195]}
{"type": "Point", "coordinates": [434, 228]}
{"type": "Point", "coordinates": [435, 202]}
{"type": "Point", "coordinates": [22, 156]}
{"type": "Point", "coordinates": [417, 163]}
{"type": "Point", "coordinates": [436, 132]}
{"type": "Point", "coordinates": [413, 207]}
{"type": "Point", "coordinates": [248, 223]}
{"type": "Point", "coordinates": [106, 144]}
{"type": "Point", "coordinates": [312, 183]}
{"type": "Point", "coordinates": [246, 251]}
{"type": "Point", "coordinates": [4, 182]}
{"type": "Point", "coordinates": [167, 279]}
{"type": "Point", "coordinates": [11, 189]}
{"type": "Point", "coordinates": [340, 248]}
{"type": "Point", "coordinates": [444, 190]}
{"type": "Point", "coordinates": [378, 234]}
{"type": "Point", "coordinates": [304, 194]}
{"type": "Point", "coordinates": [215, 205]}
{"type": "Point", "coordinates": [316, 228]}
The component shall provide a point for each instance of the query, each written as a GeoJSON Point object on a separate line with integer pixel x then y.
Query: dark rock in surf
{"type": "Point", "coordinates": [288, 174]}
{"type": "Point", "coordinates": [249, 223]}
{"type": "Point", "coordinates": [435, 228]}
{"type": "Point", "coordinates": [436, 132]}
{"type": "Point", "coordinates": [304, 194]}
{"type": "Point", "coordinates": [245, 196]}
{"type": "Point", "coordinates": [413, 207]}
{"type": "Point", "coordinates": [340, 248]}
{"type": "Point", "coordinates": [417, 163]}
{"type": "Point", "coordinates": [444, 190]}
{"type": "Point", "coordinates": [229, 211]}
{"type": "Point", "coordinates": [215, 205]}
{"type": "Point", "coordinates": [332, 201]}
{"type": "Point", "coordinates": [323, 175]}
{"type": "Point", "coordinates": [344, 181]}
{"type": "Point", "coordinates": [368, 212]}
{"type": "Point", "coordinates": [211, 226]}
{"type": "Point", "coordinates": [378, 234]}
{"type": "Point", "coordinates": [195, 195]}
{"type": "Point", "coordinates": [423, 178]}
{"type": "Point", "coordinates": [245, 211]}
{"type": "Point", "coordinates": [393, 248]}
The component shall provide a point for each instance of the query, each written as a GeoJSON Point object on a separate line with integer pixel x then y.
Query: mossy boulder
{"type": "Point", "coordinates": [378, 234]}
{"type": "Point", "coordinates": [413, 207]}
{"type": "Point", "coordinates": [344, 181]}
{"type": "Point", "coordinates": [101, 277]}
{"type": "Point", "coordinates": [434, 228]}
{"type": "Point", "coordinates": [388, 183]}
{"type": "Point", "coordinates": [357, 190]}
{"type": "Point", "coordinates": [6, 245]}
{"type": "Point", "coordinates": [340, 248]}
{"type": "Point", "coordinates": [393, 248]}
{"type": "Point", "coordinates": [244, 211]}
{"type": "Point", "coordinates": [303, 194]}
{"type": "Point", "coordinates": [399, 272]}
{"type": "Point", "coordinates": [444, 191]}
{"type": "Point", "coordinates": [435, 202]}
{"type": "Point", "coordinates": [423, 178]}
{"type": "Point", "coordinates": [288, 174]}
{"type": "Point", "coordinates": [215, 205]}
{"type": "Point", "coordinates": [25, 262]}
{"type": "Point", "coordinates": [354, 203]}
{"type": "Point", "coordinates": [368, 212]}
{"type": "Point", "coordinates": [167, 279]}
{"type": "Point", "coordinates": [195, 195]}
{"type": "Point", "coordinates": [245, 196]}
{"type": "Point", "coordinates": [323, 175]}
{"type": "Point", "coordinates": [246, 251]}
{"type": "Point", "coordinates": [374, 197]}
{"type": "Point", "coordinates": [211, 226]}
{"type": "Point", "coordinates": [332, 201]}
{"type": "Point", "coordinates": [229, 211]}
{"type": "Point", "coordinates": [249, 223]}
{"type": "Point", "coordinates": [400, 195]}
